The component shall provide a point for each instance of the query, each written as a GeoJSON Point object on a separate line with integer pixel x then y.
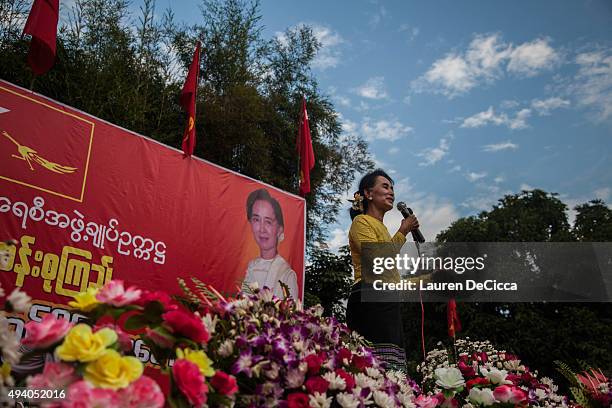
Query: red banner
{"type": "Point", "coordinates": [88, 201]}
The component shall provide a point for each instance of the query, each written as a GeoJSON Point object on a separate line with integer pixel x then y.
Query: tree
{"type": "Point", "coordinates": [328, 281]}
{"type": "Point", "coordinates": [593, 222]}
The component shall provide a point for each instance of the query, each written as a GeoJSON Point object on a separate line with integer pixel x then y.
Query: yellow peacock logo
{"type": "Point", "coordinates": [30, 155]}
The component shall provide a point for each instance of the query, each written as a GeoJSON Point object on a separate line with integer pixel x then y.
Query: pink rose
{"type": "Point", "coordinates": [82, 395]}
{"type": "Point", "coordinates": [113, 293]}
{"type": "Point", "coordinates": [190, 382]}
{"type": "Point", "coordinates": [512, 395]}
{"type": "Point", "coordinates": [186, 324]}
{"type": "Point", "coordinates": [48, 331]}
{"type": "Point", "coordinates": [224, 383]}
{"type": "Point", "coordinates": [142, 393]}
{"type": "Point", "coordinates": [423, 401]}
{"type": "Point", "coordinates": [54, 375]}
{"type": "Point", "coordinates": [317, 384]}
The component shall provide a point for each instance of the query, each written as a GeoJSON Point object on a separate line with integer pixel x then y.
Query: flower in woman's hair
{"type": "Point", "coordinates": [224, 383]}
{"type": "Point", "coordinates": [190, 382]}
{"type": "Point", "coordinates": [199, 358]}
{"type": "Point", "coordinates": [81, 344]}
{"type": "Point", "coordinates": [142, 393]}
{"type": "Point", "coordinates": [297, 400]}
{"type": "Point", "coordinates": [357, 202]}
{"type": "Point", "coordinates": [112, 370]}
{"type": "Point", "coordinates": [85, 301]}
{"type": "Point", "coordinates": [47, 332]}
{"type": "Point", "coordinates": [187, 325]}
{"type": "Point", "coordinates": [449, 378]}
{"type": "Point", "coordinates": [19, 301]}
{"type": "Point", "coordinates": [55, 375]}
{"type": "Point", "coordinates": [114, 293]}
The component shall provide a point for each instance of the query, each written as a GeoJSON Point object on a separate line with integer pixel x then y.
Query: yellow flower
{"type": "Point", "coordinates": [85, 301]}
{"type": "Point", "coordinates": [199, 358]}
{"type": "Point", "coordinates": [113, 371]}
{"type": "Point", "coordinates": [82, 345]}
{"type": "Point", "coordinates": [5, 370]}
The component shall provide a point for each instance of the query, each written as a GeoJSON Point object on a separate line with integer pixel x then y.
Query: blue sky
{"type": "Point", "coordinates": [464, 101]}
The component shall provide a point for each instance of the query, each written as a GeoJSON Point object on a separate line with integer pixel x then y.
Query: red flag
{"type": "Point", "coordinates": [188, 102]}
{"type": "Point", "coordinates": [42, 26]}
{"type": "Point", "coordinates": [454, 325]}
{"type": "Point", "coordinates": [307, 159]}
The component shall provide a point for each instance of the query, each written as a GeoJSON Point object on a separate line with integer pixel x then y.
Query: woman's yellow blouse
{"type": "Point", "coordinates": [366, 228]}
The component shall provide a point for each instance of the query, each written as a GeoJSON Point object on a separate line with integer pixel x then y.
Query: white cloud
{"type": "Point", "coordinates": [433, 155]}
{"type": "Point", "coordinates": [543, 107]}
{"type": "Point", "coordinates": [393, 150]}
{"type": "Point", "coordinates": [480, 202]}
{"type": "Point", "coordinates": [509, 104]}
{"type": "Point", "coordinates": [525, 186]}
{"type": "Point", "coordinates": [530, 58]}
{"type": "Point", "coordinates": [374, 88]}
{"type": "Point", "coordinates": [329, 55]}
{"type": "Point", "coordinates": [496, 147]}
{"type": "Point", "coordinates": [499, 179]}
{"type": "Point", "coordinates": [455, 169]}
{"type": "Point", "coordinates": [592, 86]}
{"type": "Point", "coordinates": [485, 60]}
{"type": "Point", "coordinates": [489, 117]}
{"type": "Point", "coordinates": [407, 100]}
{"type": "Point", "coordinates": [413, 32]}
{"type": "Point", "coordinates": [339, 237]}
{"type": "Point", "coordinates": [378, 16]}
{"type": "Point", "coordinates": [473, 176]}
{"type": "Point", "coordinates": [390, 130]}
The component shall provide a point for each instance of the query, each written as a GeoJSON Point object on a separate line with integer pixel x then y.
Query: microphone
{"type": "Point", "coordinates": [406, 212]}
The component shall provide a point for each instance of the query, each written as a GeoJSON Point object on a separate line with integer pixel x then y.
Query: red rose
{"type": "Point", "coordinates": [467, 371]}
{"type": "Point", "coordinates": [360, 362]}
{"type": "Point", "coordinates": [297, 400]}
{"type": "Point", "coordinates": [476, 381]}
{"type": "Point", "coordinates": [159, 296]}
{"type": "Point", "coordinates": [190, 381]}
{"type": "Point", "coordinates": [314, 363]}
{"type": "Point", "coordinates": [348, 379]}
{"type": "Point", "coordinates": [344, 353]}
{"type": "Point", "coordinates": [224, 383]}
{"type": "Point", "coordinates": [186, 324]}
{"type": "Point", "coordinates": [317, 384]}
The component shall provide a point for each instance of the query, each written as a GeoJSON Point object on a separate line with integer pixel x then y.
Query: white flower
{"type": "Point", "coordinates": [495, 376]}
{"type": "Point", "coordinates": [226, 348]}
{"type": "Point", "coordinates": [318, 400]}
{"type": "Point", "coordinates": [373, 372]}
{"type": "Point", "coordinates": [19, 300]}
{"type": "Point", "coordinates": [335, 381]}
{"type": "Point", "coordinates": [363, 381]}
{"type": "Point", "coordinates": [481, 396]}
{"type": "Point", "coordinates": [9, 344]}
{"type": "Point", "coordinates": [347, 400]}
{"type": "Point", "coordinates": [406, 399]}
{"type": "Point", "coordinates": [210, 323]}
{"type": "Point", "coordinates": [266, 295]}
{"type": "Point", "coordinates": [449, 378]}
{"type": "Point", "coordinates": [253, 286]}
{"type": "Point", "coordinates": [512, 365]}
{"type": "Point", "coordinates": [540, 393]}
{"type": "Point", "coordinates": [382, 399]}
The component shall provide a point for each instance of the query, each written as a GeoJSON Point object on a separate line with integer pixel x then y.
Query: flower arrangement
{"type": "Point", "coordinates": [17, 301]}
{"type": "Point", "coordinates": [591, 388]}
{"type": "Point", "coordinates": [481, 376]}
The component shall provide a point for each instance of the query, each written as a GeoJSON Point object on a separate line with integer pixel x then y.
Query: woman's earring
{"type": "Point", "coordinates": [370, 198]}
{"type": "Point", "coordinates": [281, 237]}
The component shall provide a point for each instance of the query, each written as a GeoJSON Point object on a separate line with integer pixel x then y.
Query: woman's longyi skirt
{"type": "Point", "coordinates": [379, 323]}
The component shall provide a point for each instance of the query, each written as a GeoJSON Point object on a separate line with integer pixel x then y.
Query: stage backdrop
{"type": "Point", "coordinates": [88, 201]}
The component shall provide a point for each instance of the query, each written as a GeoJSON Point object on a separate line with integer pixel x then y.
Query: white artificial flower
{"type": "Point", "coordinates": [210, 323]}
{"type": "Point", "coordinates": [482, 396]}
{"type": "Point", "coordinates": [19, 300]}
{"type": "Point", "coordinates": [382, 399]}
{"type": "Point", "coordinates": [335, 381]}
{"type": "Point", "coordinates": [9, 343]}
{"type": "Point", "coordinates": [449, 378]}
{"type": "Point", "coordinates": [406, 399]}
{"type": "Point", "coordinates": [495, 376]}
{"type": "Point", "coordinates": [540, 393]}
{"type": "Point", "coordinates": [347, 400]}
{"type": "Point", "coordinates": [318, 400]}
{"type": "Point", "coordinates": [373, 372]}
{"type": "Point", "coordinates": [226, 348]}
{"type": "Point", "coordinates": [363, 381]}
{"type": "Point", "coordinates": [266, 295]}
{"type": "Point", "coordinates": [512, 365]}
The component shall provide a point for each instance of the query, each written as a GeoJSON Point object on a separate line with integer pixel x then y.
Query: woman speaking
{"type": "Point", "coordinates": [379, 323]}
